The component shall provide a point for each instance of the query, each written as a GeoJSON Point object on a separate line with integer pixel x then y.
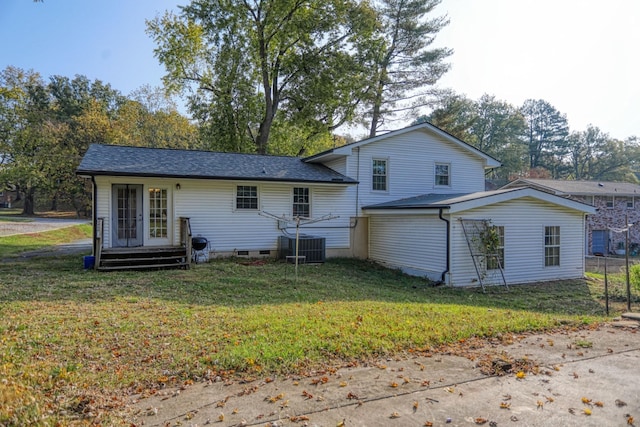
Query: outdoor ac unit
{"type": "Point", "coordinates": [311, 247]}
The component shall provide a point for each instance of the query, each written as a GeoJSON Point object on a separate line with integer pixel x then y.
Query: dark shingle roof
{"type": "Point", "coordinates": [157, 162]}
{"type": "Point", "coordinates": [434, 201]}
{"type": "Point", "coordinates": [582, 188]}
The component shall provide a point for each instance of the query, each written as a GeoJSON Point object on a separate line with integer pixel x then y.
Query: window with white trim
{"type": "Point", "coordinates": [379, 175]}
{"type": "Point", "coordinates": [158, 212]}
{"type": "Point", "coordinates": [246, 197]}
{"type": "Point", "coordinates": [551, 246]}
{"type": "Point", "coordinates": [608, 201]}
{"type": "Point", "coordinates": [443, 175]}
{"type": "Point", "coordinates": [301, 202]}
{"type": "Point", "coordinates": [628, 202]}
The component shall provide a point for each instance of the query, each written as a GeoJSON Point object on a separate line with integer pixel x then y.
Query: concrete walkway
{"type": "Point", "coordinates": [577, 378]}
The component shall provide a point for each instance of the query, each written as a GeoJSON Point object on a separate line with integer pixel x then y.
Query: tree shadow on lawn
{"type": "Point", "coordinates": [242, 283]}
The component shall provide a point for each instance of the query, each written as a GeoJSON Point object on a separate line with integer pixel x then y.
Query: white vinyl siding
{"type": "Point", "coordinates": [413, 156]}
{"type": "Point", "coordinates": [524, 221]}
{"type": "Point", "coordinates": [414, 243]}
{"type": "Point", "coordinates": [210, 205]}
{"type": "Point", "coordinates": [103, 206]}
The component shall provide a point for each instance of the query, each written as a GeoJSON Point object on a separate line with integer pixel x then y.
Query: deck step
{"type": "Point", "coordinates": [144, 258]}
{"type": "Point", "coordinates": [141, 267]}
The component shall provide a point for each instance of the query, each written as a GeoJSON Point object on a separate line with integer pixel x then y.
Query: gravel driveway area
{"type": "Point", "coordinates": [37, 225]}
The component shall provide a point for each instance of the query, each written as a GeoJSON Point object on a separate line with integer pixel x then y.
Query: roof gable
{"type": "Point", "coordinates": [579, 188]}
{"type": "Point", "coordinates": [117, 160]}
{"type": "Point", "coordinates": [462, 202]}
{"type": "Point", "coordinates": [346, 150]}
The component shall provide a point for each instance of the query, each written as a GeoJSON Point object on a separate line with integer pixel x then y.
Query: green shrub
{"type": "Point", "coordinates": [634, 276]}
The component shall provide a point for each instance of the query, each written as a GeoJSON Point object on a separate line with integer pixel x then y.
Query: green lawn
{"type": "Point", "coordinates": [72, 339]}
{"type": "Point", "coordinates": [14, 245]}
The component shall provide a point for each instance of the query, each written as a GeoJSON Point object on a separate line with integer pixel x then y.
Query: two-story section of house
{"type": "Point", "coordinates": [419, 186]}
{"type": "Point", "coordinates": [617, 207]}
{"type": "Point", "coordinates": [412, 199]}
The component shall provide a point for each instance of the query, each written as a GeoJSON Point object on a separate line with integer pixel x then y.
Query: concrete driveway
{"type": "Point", "coordinates": [573, 378]}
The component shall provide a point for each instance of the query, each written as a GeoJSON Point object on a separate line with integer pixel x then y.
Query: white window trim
{"type": "Point", "coordinates": [310, 199]}
{"type": "Point", "coordinates": [235, 197]}
{"type": "Point", "coordinates": [387, 164]}
{"type": "Point", "coordinates": [633, 202]}
{"type": "Point", "coordinates": [544, 247]}
{"type": "Point", "coordinates": [435, 166]}
{"type": "Point", "coordinates": [151, 208]}
{"type": "Point", "coordinates": [606, 202]}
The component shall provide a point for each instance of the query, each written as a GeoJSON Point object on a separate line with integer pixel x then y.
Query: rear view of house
{"type": "Point", "coordinates": [400, 199]}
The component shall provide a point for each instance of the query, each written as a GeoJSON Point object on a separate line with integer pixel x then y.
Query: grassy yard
{"type": "Point", "coordinates": [13, 245]}
{"type": "Point", "coordinates": [75, 344]}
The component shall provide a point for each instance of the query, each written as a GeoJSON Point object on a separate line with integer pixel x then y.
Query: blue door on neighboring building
{"type": "Point", "coordinates": [599, 242]}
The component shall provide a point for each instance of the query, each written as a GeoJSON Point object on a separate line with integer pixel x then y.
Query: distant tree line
{"type": "Point", "coordinates": [45, 128]}
{"type": "Point", "coordinates": [534, 140]}
{"type": "Point", "coordinates": [282, 77]}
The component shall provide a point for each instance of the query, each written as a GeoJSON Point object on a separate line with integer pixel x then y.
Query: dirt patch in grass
{"type": "Point", "coordinates": [615, 264]}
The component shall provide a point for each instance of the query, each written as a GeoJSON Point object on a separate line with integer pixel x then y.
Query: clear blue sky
{"type": "Point", "coordinates": [582, 56]}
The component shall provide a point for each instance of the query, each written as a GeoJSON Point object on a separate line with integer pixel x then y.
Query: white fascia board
{"type": "Point", "coordinates": [405, 211]}
{"type": "Point", "coordinates": [518, 194]}
{"type": "Point", "coordinates": [346, 150]}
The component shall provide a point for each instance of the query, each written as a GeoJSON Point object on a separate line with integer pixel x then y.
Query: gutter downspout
{"type": "Point", "coordinates": [448, 262]}
{"type": "Point", "coordinates": [94, 214]}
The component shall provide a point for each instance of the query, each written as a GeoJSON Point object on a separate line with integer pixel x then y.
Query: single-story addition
{"type": "Point", "coordinates": [617, 204]}
{"type": "Point", "coordinates": [412, 199]}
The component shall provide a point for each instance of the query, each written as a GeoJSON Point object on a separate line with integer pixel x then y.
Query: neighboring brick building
{"type": "Point", "coordinates": [7, 197]}
{"type": "Point", "coordinates": [616, 202]}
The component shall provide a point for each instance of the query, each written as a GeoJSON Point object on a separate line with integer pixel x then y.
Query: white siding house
{"type": "Point", "coordinates": [397, 199]}
{"type": "Point", "coordinates": [433, 242]}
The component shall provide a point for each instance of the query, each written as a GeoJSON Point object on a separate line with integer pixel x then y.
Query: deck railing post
{"type": "Point", "coordinates": [185, 239]}
{"type": "Point", "coordinates": [98, 242]}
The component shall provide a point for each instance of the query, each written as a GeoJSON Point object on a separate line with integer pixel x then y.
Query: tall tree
{"type": "Point", "coordinates": [488, 124]}
{"type": "Point", "coordinates": [405, 66]}
{"type": "Point", "coordinates": [593, 155]}
{"type": "Point", "coordinates": [453, 113]}
{"type": "Point", "coordinates": [547, 132]}
{"type": "Point", "coordinates": [30, 137]}
{"type": "Point", "coordinates": [217, 51]}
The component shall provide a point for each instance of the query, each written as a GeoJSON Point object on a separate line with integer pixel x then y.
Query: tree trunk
{"type": "Point", "coordinates": [29, 202]}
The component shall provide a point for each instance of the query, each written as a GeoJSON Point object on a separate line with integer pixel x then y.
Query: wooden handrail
{"type": "Point", "coordinates": [98, 242]}
{"type": "Point", "coordinates": [185, 238]}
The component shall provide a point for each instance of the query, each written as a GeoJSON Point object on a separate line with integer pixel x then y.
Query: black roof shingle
{"type": "Point", "coordinates": [115, 160]}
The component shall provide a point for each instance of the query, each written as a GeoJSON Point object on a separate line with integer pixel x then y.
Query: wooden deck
{"type": "Point", "coordinates": [143, 257]}
{"type": "Point", "coordinates": [140, 258]}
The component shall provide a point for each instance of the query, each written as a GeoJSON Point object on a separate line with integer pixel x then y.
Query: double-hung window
{"type": "Point", "coordinates": [551, 246]}
{"type": "Point", "coordinates": [301, 202]}
{"type": "Point", "coordinates": [246, 197]}
{"type": "Point", "coordinates": [608, 201]}
{"type": "Point", "coordinates": [443, 175]}
{"type": "Point", "coordinates": [379, 176]}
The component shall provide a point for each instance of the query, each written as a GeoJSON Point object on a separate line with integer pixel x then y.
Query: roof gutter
{"type": "Point", "coordinates": [448, 252]}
